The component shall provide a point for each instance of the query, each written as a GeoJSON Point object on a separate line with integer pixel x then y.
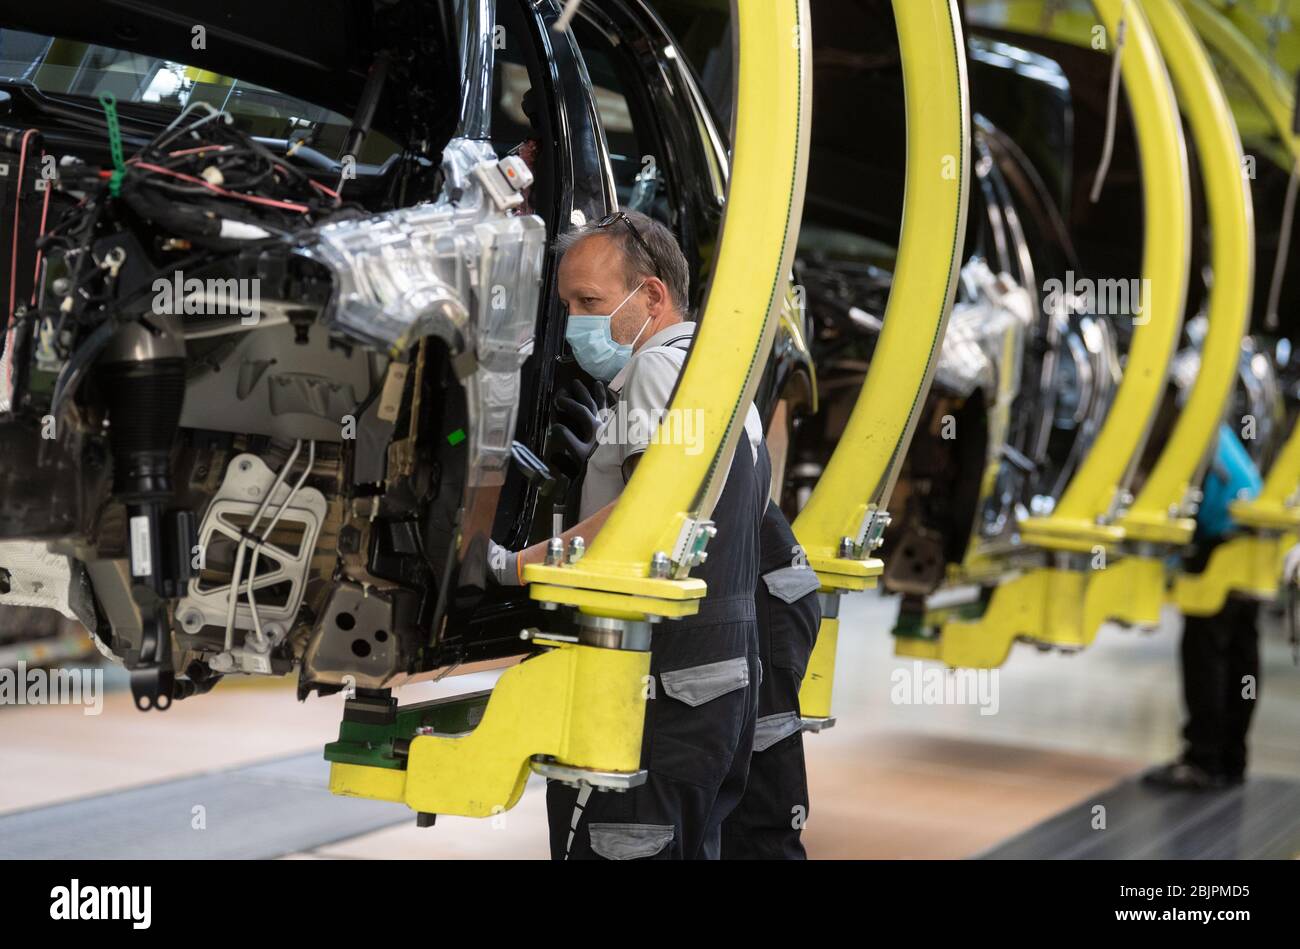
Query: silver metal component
{"type": "Point", "coordinates": [459, 269]}
{"type": "Point", "coordinates": [271, 384]}
{"type": "Point", "coordinates": [42, 579]}
{"type": "Point", "coordinates": [688, 551]}
{"type": "Point", "coordinates": [112, 584]}
{"type": "Point", "coordinates": [577, 547]}
{"type": "Point", "coordinates": [1071, 560]}
{"type": "Point", "coordinates": [660, 565]}
{"type": "Point", "coordinates": [262, 640]}
{"type": "Point", "coordinates": [874, 535]}
{"type": "Point", "coordinates": [353, 637]}
{"type": "Point", "coordinates": [818, 724]}
{"type": "Point", "coordinates": [245, 660]}
{"type": "Point", "coordinates": [1087, 378]}
{"type": "Point", "coordinates": [984, 340]}
{"type": "Point", "coordinates": [247, 482]}
{"type": "Point", "coordinates": [477, 19]}
{"type": "Point", "coordinates": [610, 633]}
{"type": "Point", "coordinates": [555, 552]}
{"type": "Point", "coordinates": [528, 635]}
{"type": "Point", "coordinates": [553, 770]}
{"type": "Point", "coordinates": [870, 534]}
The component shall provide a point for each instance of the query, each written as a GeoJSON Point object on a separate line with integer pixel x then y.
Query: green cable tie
{"type": "Point", "coordinates": [109, 102]}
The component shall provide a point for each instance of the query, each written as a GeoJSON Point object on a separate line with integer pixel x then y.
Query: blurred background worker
{"type": "Point", "coordinates": [1220, 653]}
{"type": "Point", "coordinates": [768, 822]}
{"type": "Point", "coordinates": [625, 282]}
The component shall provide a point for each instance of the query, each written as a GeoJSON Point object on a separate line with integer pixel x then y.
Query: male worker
{"type": "Point", "coordinates": [625, 282]}
{"type": "Point", "coordinates": [1220, 653]}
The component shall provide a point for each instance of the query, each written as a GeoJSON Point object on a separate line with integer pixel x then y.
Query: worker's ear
{"type": "Point", "coordinates": [658, 298]}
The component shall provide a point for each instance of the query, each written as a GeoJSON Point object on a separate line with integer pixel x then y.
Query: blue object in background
{"type": "Point", "coordinates": [1232, 476]}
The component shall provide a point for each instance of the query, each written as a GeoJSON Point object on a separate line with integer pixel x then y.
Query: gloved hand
{"type": "Point", "coordinates": [503, 565]}
{"type": "Point", "coordinates": [578, 420]}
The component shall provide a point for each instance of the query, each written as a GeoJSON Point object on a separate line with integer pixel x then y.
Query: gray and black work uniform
{"type": "Point", "coordinates": [700, 716]}
{"type": "Point", "coordinates": [768, 821]}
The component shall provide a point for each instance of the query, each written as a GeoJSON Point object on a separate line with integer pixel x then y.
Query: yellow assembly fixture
{"type": "Point", "coordinates": [1251, 563]}
{"type": "Point", "coordinates": [1064, 602]}
{"type": "Point", "coordinates": [576, 711]}
{"type": "Point", "coordinates": [840, 526]}
{"type": "Point", "coordinates": [1087, 513]}
{"type": "Point", "coordinates": [1162, 512]}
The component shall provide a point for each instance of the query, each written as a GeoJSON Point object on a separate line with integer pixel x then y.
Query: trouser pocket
{"type": "Point", "coordinates": [789, 615]}
{"type": "Point", "coordinates": [699, 717]}
{"type": "Point", "coordinates": [630, 841]}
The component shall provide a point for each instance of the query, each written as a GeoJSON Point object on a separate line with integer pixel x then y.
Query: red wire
{"type": "Point", "coordinates": [251, 198]}
{"type": "Point", "coordinates": [320, 187]}
{"type": "Point", "coordinates": [197, 149]}
{"type": "Point", "coordinates": [45, 211]}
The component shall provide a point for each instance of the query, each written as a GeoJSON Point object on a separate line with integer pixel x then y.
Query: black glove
{"type": "Point", "coordinates": [577, 422]}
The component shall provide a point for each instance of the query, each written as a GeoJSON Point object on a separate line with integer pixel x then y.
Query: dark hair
{"type": "Point", "coordinates": [649, 250]}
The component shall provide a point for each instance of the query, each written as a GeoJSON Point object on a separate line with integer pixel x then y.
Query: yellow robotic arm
{"type": "Point", "coordinates": [576, 711]}
{"type": "Point", "coordinates": [842, 522]}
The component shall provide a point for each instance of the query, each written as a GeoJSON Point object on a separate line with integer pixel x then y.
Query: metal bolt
{"type": "Point", "coordinates": [660, 565]}
{"type": "Point", "coordinates": [555, 552]}
{"type": "Point", "coordinates": [577, 547]}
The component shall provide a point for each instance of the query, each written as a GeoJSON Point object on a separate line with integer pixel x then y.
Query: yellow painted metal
{"type": "Point", "coordinates": [1158, 514]}
{"type": "Point", "coordinates": [582, 705]}
{"type": "Point", "coordinates": [860, 474]}
{"type": "Point", "coordinates": [1278, 503]}
{"type": "Point", "coordinates": [1058, 607]}
{"type": "Point", "coordinates": [1084, 516]}
{"type": "Point", "coordinates": [674, 483]}
{"type": "Point", "coordinates": [1250, 564]}
{"type": "Point", "coordinates": [585, 706]}
{"type": "Point", "coordinates": [1066, 605]}
{"type": "Point", "coordinates": [818, 681]}
{"type": "Point", "coordinates": [1270, 87]}
{"type": "Point", "coordinates": [1272, 26]}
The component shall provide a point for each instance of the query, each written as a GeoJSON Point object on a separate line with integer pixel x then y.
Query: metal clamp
{"type": "Point", "coordinates": [689, 551]}
{"type": "Point", "coordinates": [552, 770]}
{"type": "Point", "coordinates": [870, 535]}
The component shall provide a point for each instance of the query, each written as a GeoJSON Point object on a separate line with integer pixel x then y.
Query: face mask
{"type": "Point", "coordinates": [594, 348]}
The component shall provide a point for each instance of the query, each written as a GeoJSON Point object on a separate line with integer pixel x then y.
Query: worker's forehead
{"type": "Point", "coordinates": [596, 255]}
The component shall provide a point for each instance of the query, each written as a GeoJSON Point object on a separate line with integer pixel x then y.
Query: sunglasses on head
{"type": "Point", "coordinates": [611, 219]}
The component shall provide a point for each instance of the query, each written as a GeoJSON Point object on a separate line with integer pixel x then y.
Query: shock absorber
{"type": "Point", "coordinates": [142, 373]}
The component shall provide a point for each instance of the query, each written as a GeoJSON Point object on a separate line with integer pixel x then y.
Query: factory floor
{"type": "Point", "coordinates": [890, 780]}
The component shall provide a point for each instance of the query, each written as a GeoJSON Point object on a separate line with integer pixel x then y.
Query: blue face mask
{"type": "Point", "coordinates": [594, 348]}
